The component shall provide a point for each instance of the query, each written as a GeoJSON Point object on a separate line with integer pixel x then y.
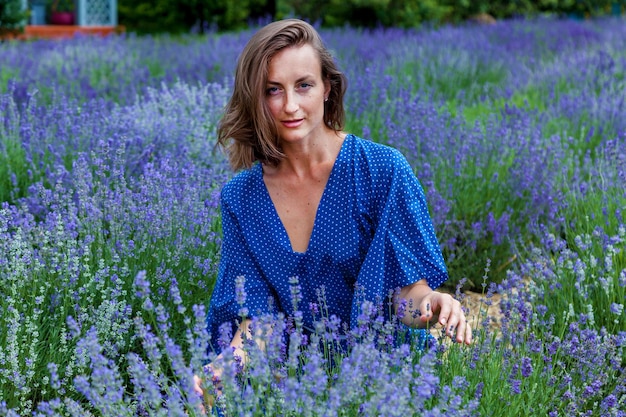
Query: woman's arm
{"type": "Point", "coordinates": [237, 347]}
{"type": "Point", "coordinates": [430, 306]}
{"type": "Point", "coordinates": [236, 344]}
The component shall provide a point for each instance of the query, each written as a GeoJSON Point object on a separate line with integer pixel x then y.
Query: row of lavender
{"type": "Point", "coordinates": [109, 230]}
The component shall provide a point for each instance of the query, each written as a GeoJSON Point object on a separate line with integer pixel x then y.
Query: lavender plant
{"type": "Point", "coordinates": [109, 228]}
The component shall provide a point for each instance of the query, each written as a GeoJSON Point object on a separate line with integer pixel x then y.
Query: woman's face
{"type": "Point", "coordinates": [295, 93]}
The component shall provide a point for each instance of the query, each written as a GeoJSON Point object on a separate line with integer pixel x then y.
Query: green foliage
{"type": "Point", "coordinates": [6, 74]}
{"type": "Point", "coordinates": [580, 8]}
{"type": "Point", "coordinates": [370, 13]}
{"type": "Point", "coordinates": [151, 16]}
{"type": "Point", "coordinates": [409, 13]}
{"type": "Point", "coordinates": [413, 13]}
{"type": "Point", "coordinates": [62, 5]}
{"type": "Point", "coordinates": [225, 14]}
{"type": "Point", "coordinates": [178, 16]}
{"type": "Point", "coordinates": [16, 174]}
{"type": "Point", "coordinates": [12, 168]}
{"type": "Point", "coordinates": [466, 75]}
{"type": "Point", "coordinates": [588, 279]}
{"type": "Point", "coordinates": [12, 17]}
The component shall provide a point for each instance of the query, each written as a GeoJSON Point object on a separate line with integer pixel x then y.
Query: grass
{"type": "Point", "coordinates": [13, 171]}
{"type": "Point", "coordinates": [6, 74]}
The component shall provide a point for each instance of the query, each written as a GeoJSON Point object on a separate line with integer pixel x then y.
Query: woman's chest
{"type": "Point", "coordinates": [297, 206]}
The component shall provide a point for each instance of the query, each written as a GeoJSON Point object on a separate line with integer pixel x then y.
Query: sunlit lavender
{"type": "Point", "coordinates": [110, 228]}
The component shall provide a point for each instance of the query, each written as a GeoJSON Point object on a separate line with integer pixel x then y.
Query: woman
{"type": "Point", "coordinates": [314, 202]}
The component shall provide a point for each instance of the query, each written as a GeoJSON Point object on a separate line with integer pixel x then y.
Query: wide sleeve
{"type": "Point", "coordinates": [404, 249]}
{"type": "Point", "coordinates": [236, 260]}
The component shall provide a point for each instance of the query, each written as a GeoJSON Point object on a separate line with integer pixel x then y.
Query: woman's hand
{"type": "Point", "coordinates": [436, 307]}
{"type": "Point", "coordinates": [215, 370]}
{"type": "Point", "coordinates": [444, 309]}
{"type": "Point", "coordinates": [207, 399]}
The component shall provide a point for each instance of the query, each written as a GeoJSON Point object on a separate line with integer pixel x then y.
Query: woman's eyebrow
{"type": "Point", "coordinates": [308, 77]}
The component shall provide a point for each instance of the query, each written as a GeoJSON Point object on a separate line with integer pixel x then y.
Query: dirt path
{"type": "Point", "coordinates": [478, 309]}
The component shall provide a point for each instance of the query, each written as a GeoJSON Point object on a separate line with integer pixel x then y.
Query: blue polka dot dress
{"type": "Point", "coordinates": [372, 230]}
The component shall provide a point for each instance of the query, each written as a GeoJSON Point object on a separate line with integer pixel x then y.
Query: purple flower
{"type": "Point", "coordinates": [516, 386]}
{"type": "Point", "coordinates": [225, 336]}
{"type": "Point", "coordinates": [592, 389]}
{"type": "Point", "coordinates": [608, 403]}
{"type": "Point", "coordinates": [55, 383]}
{"type": "Point", "coordinates": [401, 308]}
{"type": "Point", "coordinates": [176, 298]}
{"type": "Point", "coordinates": [142, 285]}
{"type": "Point", "coordinates": [296, 292]}
{"type": "Point", "coordinates": [617, 309]}
{"type": "Point", "coordinates": [240, 291]}
{"type": "Point", "coordinates": [527, 367]}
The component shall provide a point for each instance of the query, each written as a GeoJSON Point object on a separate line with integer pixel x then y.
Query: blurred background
{"type": "Point", "coordinates": [202, 16]}
{"type": "Point", "coordinates": [153, 16]}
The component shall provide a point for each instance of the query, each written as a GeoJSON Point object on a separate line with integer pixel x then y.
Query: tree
{"type": "Point", "coordinates": [12, 17]}
{"type": "Point", "coordinates": [222, 14]}
{"type": "Point", "coordinates": [263, 9]}
{"type": "Point", "coordinates": [179, 16]}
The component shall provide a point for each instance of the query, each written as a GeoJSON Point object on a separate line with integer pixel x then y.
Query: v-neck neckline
{"type": "Point", "coordinates": [278, 220]}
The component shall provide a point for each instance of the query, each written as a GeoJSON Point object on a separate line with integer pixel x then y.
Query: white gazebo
{"type": "Point", "coordinates": [87, 12]}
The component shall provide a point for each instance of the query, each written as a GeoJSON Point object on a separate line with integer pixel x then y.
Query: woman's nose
{"type": "Point", "coordinates": [291, 102]}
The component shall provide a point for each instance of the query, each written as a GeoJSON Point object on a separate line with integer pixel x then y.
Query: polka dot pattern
{"type": "Point", "coordinates": [372, 228]}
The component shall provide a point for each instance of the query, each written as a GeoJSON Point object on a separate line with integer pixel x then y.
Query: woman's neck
{"type": "Point", "coordinates": [302, 158]}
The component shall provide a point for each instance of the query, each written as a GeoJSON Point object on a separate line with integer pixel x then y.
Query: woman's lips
{"type": "Point", "coordinates": [292, 123]}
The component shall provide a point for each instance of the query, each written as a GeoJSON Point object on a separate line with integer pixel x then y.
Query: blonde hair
{"type": "Point", "coordinates": [247, 130]}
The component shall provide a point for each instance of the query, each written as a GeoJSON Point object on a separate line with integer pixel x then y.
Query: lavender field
{"type": "Point", "coordinates": [110, 228]}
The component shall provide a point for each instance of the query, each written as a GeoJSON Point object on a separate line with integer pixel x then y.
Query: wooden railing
{"type": "Point", "coordinates": [65, 31]}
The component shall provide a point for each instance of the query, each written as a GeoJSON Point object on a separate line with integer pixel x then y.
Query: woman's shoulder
{"type": "Point", "coordinates": [242, 184]}
{"type": "Point", "coordinates": [376, 156]}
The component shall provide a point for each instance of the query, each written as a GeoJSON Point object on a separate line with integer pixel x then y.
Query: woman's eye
{"type": "Point", "coordinates": [304, 86]}
{"type": "Point", "coordinates": [272, 91]}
